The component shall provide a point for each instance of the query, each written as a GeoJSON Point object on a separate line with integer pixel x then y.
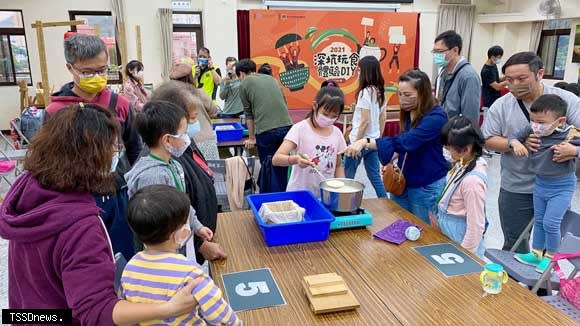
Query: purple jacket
{"type": "Point", "coordinates": [59, 254]}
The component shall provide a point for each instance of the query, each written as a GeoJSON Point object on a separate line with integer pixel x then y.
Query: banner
{"type": "Point", "coordinates": [305, 48]}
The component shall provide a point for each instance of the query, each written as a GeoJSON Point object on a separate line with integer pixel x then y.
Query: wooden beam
{"type": "Point", "coordinates": [43, 64]}
{"type": "Point", "coordinates": [38, 23]}
{"type": "Point", "coordinates": [139, 45]}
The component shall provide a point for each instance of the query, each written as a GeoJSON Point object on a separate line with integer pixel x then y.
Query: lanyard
{"type": "Point", "coordinates": [455, 175]}
{"type": "Point", "coordinates": [174, 173]}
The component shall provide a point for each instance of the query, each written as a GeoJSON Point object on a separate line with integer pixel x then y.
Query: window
{"type": "Point", "coordinates": [554, 48]}
{"type": "Point", "coordinates": [187, 35]}
{"type": "Point", "coordinates": [101, 23]}
{"type": "Point", "coordinates": [14, 63]}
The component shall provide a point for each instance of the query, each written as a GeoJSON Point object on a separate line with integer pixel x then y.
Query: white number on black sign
{"type": "Point", "coordinates": [254, 288]}
{"type": "Point", "coordinates": [448, 259]}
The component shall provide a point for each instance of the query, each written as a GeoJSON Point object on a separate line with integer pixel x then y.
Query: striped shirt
{"type": "Point", "coordinates": [155, 278]}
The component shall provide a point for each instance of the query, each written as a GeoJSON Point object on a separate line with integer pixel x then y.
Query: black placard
{"type": "Point", "coordinates": [36, 316]}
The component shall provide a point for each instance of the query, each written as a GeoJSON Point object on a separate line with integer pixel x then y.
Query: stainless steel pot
{"type": "Point", "coordinates": [340, 199]}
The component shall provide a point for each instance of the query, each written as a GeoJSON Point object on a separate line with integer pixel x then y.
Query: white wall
{"type": "Point", "coordinates": [510, 25]}
{"type": "Point", "coordinates": [220, 33]}
{"type": "Point", "coordinates": [137, 12]}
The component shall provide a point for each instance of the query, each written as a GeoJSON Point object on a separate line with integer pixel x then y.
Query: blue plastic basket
{"type": "Point", "coordinates": [229, 135]}
{"type": "Point", "coordinates": [315, 227]}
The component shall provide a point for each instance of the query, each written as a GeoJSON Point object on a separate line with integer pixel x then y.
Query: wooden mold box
{"type": "Point", "coordinates": [328, 293]}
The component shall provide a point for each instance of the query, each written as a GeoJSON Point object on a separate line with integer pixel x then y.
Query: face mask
{"type": "Point", "coordinates": [139, 74]}
{"type": "Point", "coordinates": [185, 231]}
{"type": "Point", "coordinates": [323, 121]}
{"type": "Point", "coordinates": [439, 59]}
{"type": "Point", "coordinates": [497, 61]}
{"type": "Point", "coordinates": [542, 129]}
{"type": "Point", "coordinates": [93, 85]}
{"type": "Point", "coordinates": [193, 129]}
{"type": "Point", "coordinates": [202, 61]}
{"type": "Point", "coordinates": [408, 103]}
{"type": "Point", "coordinates": [178, 151]}
{"type": "Point", "coordinates": [115, 161]}
{"type": "Point", "coordinates": [520, 90]}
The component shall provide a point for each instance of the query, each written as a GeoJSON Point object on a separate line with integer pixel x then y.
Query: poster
{"type": "Point", "coordinates": [576, 52]}
{"type": "Point", "coordinates": [305, 48]}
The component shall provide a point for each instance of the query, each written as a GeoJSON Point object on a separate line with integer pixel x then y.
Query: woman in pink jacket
{"type": "Point", "coordinates": [133, 88]}
{"type": "Point", "coordinates": [59, 254]}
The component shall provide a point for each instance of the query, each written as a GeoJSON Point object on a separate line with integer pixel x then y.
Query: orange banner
{"type": "Point", "coordinates": [304, 48]}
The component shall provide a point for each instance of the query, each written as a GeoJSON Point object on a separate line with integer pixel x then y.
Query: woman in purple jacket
{"type": "Point", "coordinates": [59, 254]}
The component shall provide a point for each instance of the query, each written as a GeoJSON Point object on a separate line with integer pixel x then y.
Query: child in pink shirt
{"type": "Point", "coordinates": [461, 206]}
{"type": "Point", "coordinates": [316, 143]}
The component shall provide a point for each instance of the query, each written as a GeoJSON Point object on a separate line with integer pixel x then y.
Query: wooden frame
{"type": "Point", "coordinates": [547, 33]}
{"type": "Point", "coordinates": [191, 28]}
{"type": "Point", "coordinates": [16, 32]}
{"type": "Point", "coordinates": [72, 16]}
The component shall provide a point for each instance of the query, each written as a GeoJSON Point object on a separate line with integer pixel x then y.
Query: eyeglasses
{"type": "Point", "coordinates": [439, 51]}
{"type": "Point", "coordinates": [90, 74]}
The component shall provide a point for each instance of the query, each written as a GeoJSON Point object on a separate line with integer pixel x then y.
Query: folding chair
{"type": "Point", "coordinates": [120, 263]}
{"type": "Point", "coordinates": [219, 169]}
{"type": "Point", "coordinates": [23, 141]}
{"type": "Point", "coordinates": [527, 274]}
{"type": "Point", "coordinates": [570, 244]}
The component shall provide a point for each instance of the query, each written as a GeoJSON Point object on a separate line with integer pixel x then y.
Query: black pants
{"type": "Point", "coordinates": [515, 213]}
{"type": "Point", "coordinates": [272, 178]}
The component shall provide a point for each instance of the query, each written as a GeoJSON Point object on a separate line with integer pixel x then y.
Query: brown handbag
{"type": "Point", "coordinates": [394, 179]}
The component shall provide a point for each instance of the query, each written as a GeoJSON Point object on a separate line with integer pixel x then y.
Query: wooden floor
{"type": "Point", "coordinates": [394, 284]}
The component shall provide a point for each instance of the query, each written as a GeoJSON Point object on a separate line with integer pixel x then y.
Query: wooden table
{"type": "Point", "coordinates": [226, 120]}
{"type": "Point", "coordinates": [237, 145]}
{"type": "Point", "coordinates": [394, 284]}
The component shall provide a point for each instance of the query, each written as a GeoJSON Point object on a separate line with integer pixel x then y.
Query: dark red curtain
{"type": "Point", "coordinates": [243, 34]}
{"type": "Point", "coordinates": [418, 41]}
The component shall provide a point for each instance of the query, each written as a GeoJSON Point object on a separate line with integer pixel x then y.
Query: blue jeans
{"type": "Point", "coordinates": [229, 116]}
{"type": "Point", "coordinates": [420, 201]}
{"type": "Point", "coordinates": [552, 198]}
{"type": "Point", "coordinates": [268, 143]}
{"type": "Point", "coordinates": [372, 166]}
{"type": "Point", "coordinates": [454, 227]}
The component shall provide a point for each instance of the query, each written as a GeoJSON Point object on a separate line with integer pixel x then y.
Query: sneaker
{"type": "Point", "coordinates": [529, 259]}
{"type": "Point", "coordinates": [543, 265]}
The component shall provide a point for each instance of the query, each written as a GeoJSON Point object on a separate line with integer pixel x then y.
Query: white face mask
{"type": "Point", "coordinates": [139, 74]}
{"type": "Point", "coordinates": [497, 61]}
{"type": "Point", "coordinates": [115, 161]}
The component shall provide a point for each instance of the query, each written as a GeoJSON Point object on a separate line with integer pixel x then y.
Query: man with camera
{"type": "Point", "coordinates": [207, 74]}
{"type": "Point", "coordinates": [230, 92]}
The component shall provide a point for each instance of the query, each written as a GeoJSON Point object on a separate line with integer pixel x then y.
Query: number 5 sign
{"type": "Point", "coordinates": [252, 289]}
{"type": "Point", "coordinates": [449, 260]}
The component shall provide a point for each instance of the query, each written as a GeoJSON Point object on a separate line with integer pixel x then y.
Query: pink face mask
{"type": "Point", "coordinates": [323, 121]}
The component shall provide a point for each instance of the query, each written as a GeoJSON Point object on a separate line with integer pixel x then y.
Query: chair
{"type": "Point", "coordinates": [219, 169]}
{"type": "Point", "coordinates": [570, 244]}
{"type": "Point", "coordinates": [120, 263]}
{"type": "Point", "coordinates": [527, 274]}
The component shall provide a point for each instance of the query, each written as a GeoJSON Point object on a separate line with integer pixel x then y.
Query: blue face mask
{"type": "Point", "coordinates": [202, 61]}
{"type": "Point", "coordinates": [193, 129]}
{"type": "Point", "coordinates": [439, 59]}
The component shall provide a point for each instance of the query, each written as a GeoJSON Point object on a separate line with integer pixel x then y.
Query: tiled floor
{"type": "Point", "coordinates": [494, 237]}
